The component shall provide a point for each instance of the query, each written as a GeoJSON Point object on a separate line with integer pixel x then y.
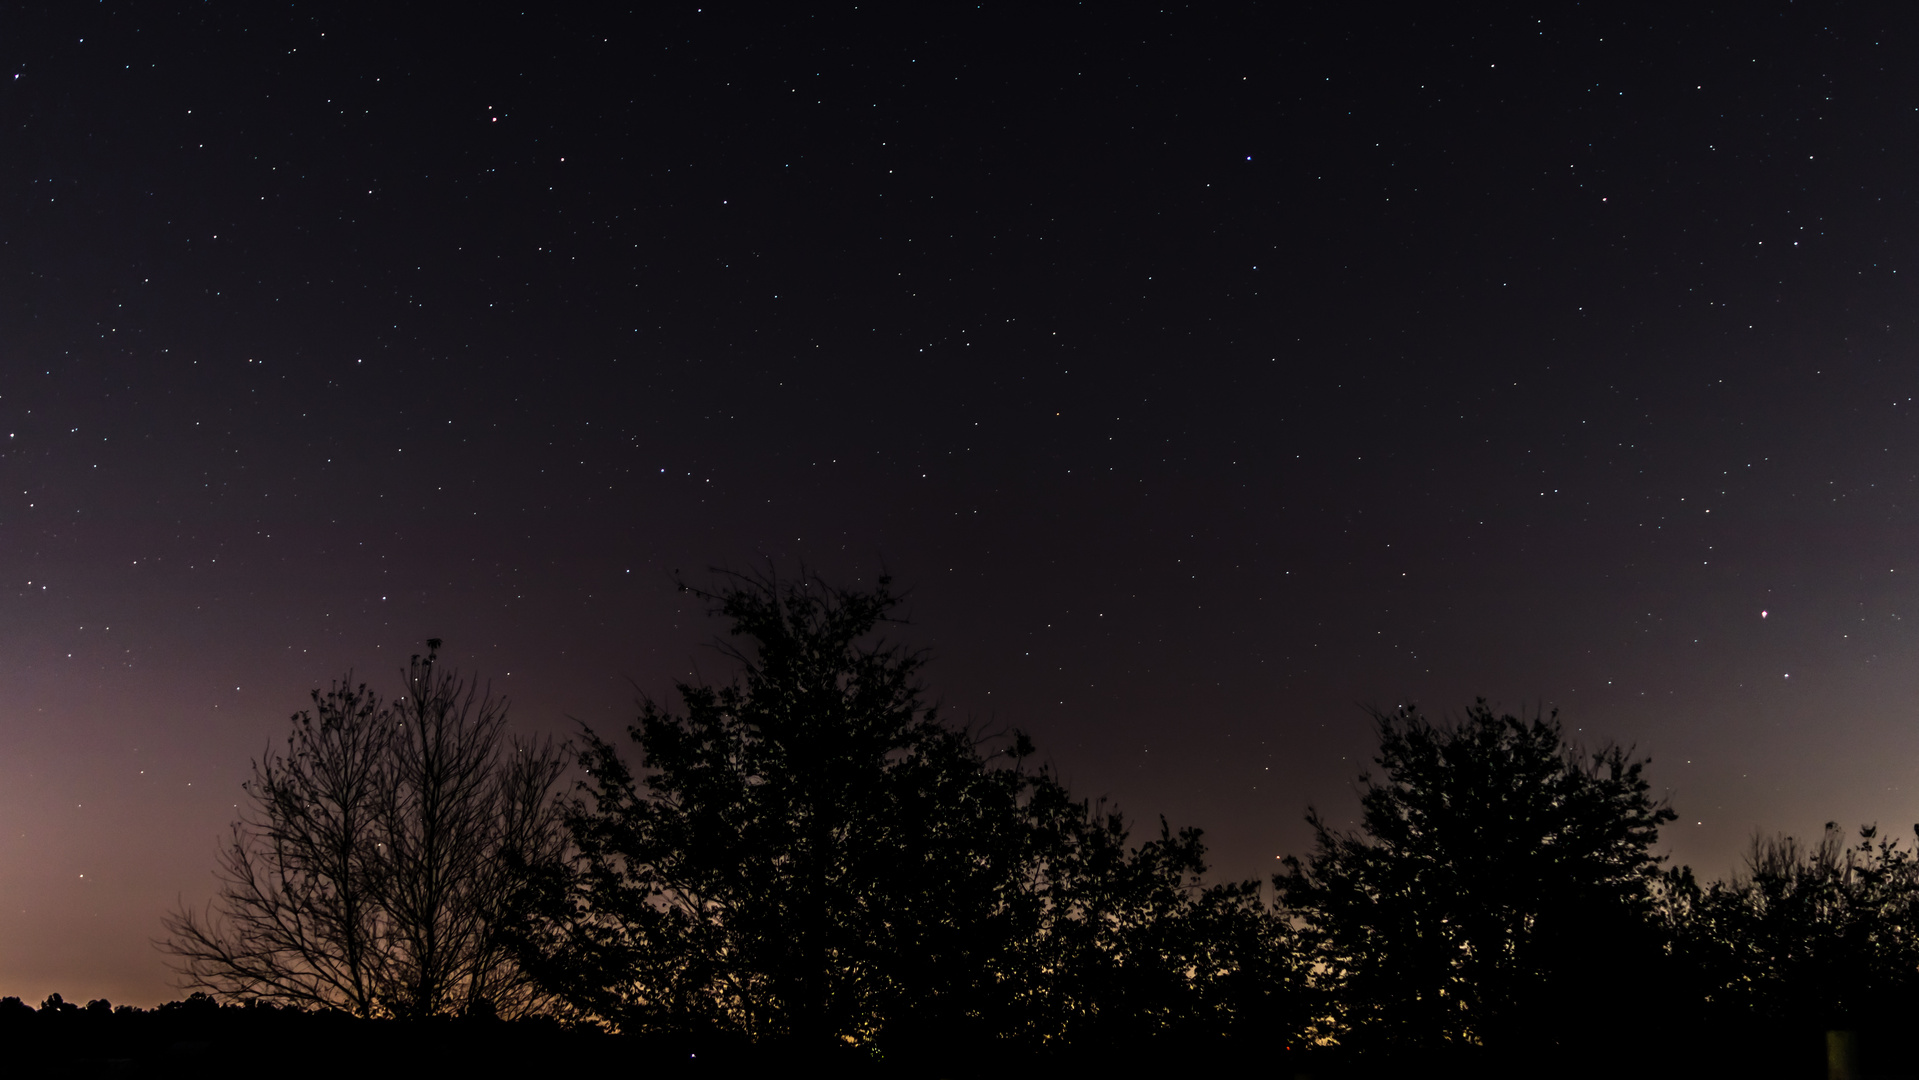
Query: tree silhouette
{"type": "Point", "coordinates": [1134, 952]}
{"type": "Point", "coordinates": [1820, 935]}
{"type": "Point", "coordinates": [807, 851]}
{"type": "Point", "coordinates": [808, 854]}
{"type": "Point", "coordinates": [751, 877]}
{"type": "Point", "coordinates": [378, 855]}
{"type": "Point", "coordinates": [1493, 866]}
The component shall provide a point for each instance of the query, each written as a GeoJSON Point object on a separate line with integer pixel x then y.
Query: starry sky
{"type": "Point", "coordinates": [1208, 373]}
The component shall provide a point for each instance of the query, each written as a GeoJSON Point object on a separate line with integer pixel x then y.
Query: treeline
{"type": "Point", "coordinates": [807, 860]}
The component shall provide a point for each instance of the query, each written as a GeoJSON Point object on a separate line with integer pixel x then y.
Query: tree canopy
{"type": "Point", "coordinates": [808, 853]}
{"type": "Point", "coordinates": [1490, 856]}
{"type": "Point", "coordinates": [808, 857]}
{"type": "Point", "coordinates": [1827, 931]}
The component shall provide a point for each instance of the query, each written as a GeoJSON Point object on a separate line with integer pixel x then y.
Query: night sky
{"type": "Point", "coordinates": [1207, 374]}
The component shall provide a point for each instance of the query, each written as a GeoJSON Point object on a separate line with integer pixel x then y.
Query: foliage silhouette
{"type": "Point", "coordinates": [808, 855]}
{"type": "Point", "coordinates": [1826, 933]}
{"type": "Point", "coordinates": [378, 856]}
{"type": "Point", "coordinates": [808, 858]}
{"type": "Point", "coordinates": [1132, 949]}
{"type": "Point", "coordinates": [1491, 859]}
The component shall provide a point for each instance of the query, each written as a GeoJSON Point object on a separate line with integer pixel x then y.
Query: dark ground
{"type": "Point", "coordinates": [196, 1038]}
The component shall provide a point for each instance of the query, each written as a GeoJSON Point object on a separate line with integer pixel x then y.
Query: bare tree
{"type": "Point", "coordinates": [378, 857]}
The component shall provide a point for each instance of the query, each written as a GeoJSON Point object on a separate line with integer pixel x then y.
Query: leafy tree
{"type": "Point", "coordinates": [1499, 880]}
{"type": "Point", "coordinates": [377, 856]}
{"type": "Point", "coordinates": [1820, 935]}
{"type": "Point", "coordinates": [808, 853]}
{"type": "Point", "coordinates": [1135, 952]}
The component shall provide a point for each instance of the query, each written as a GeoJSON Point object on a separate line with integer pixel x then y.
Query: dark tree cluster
{"type": "Point", "coordinates": [1825, 934]}
{"type": "Point", "coordinates": [1501, 908]}
{"type": "Point", "coordinates": [809, 856]}
{"type": "Point", "coordinates": [808, 860]}
{"type": "Point", "coordinates": [1490, 862]}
